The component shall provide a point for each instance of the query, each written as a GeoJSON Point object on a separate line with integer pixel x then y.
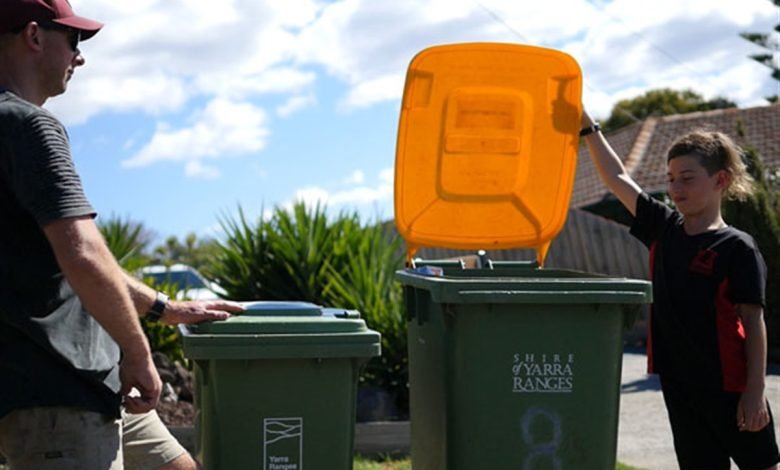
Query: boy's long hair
{"type": "Point", "coordinates": [716, 151]}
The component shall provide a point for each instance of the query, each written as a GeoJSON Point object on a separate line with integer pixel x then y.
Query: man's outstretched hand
{"type": "Point", "coordinates": [196, 311]}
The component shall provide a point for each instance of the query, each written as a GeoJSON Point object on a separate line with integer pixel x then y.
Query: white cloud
{"type": "Point", "coordinates": [357, 177]}
{"type": "Point", "coordinates": [620, 46]}
{"type": "Point", "coordinates": [295, 104]}
{"type": "Point", "coordinates": [196, 169]}
{"type": "Point", "coordinates": [158, 57]}
{"type": "Point", "coordinates": [153, 94]}
{"type": "Point", "coordinates": [360, 195]}
{"type": "Point", "coordinates": [223, 128]}
{"type": "Point", "coordinates": [384, 88]}
{"type": "Point", "coordinates": [311, 195]}
{"type": "Point", "coordinates": [387, 176]}
{"type": "Point", "coordinates": [275, 80]}
{"type": "Point", "coordinates": [695, 43]}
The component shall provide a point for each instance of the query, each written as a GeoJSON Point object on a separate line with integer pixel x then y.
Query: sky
{"type": "Point", "coordinates": [187, 110]}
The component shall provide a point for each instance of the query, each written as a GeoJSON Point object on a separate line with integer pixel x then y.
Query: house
{"type": "Point", "coordinates": [643, 147]}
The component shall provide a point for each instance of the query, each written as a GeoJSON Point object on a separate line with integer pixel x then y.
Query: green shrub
{"type": "Point", "coordinates": [303, 255]}
{"type": "Point", "coordinates": [127, 240]}
{"type": "Point", "coordinates": [282, 258]}
{"type": "Point", "coordinates": [367, 283]}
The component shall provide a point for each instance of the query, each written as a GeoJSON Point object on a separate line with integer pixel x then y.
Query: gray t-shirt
{"type": "Point", "coordinates": [52, 352]}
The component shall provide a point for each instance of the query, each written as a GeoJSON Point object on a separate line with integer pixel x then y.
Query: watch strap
{"type": "Point", "coordinates": [590, 129]}
{"type": "Point", "coordinates": [157, 309]}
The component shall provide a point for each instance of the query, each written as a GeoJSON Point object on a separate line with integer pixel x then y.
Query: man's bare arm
{"type": "Point", "coordinates": [98, 281]}
{"type": "Point", "coordinates": [177, 312]}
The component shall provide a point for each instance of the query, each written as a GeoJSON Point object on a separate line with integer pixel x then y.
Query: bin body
{"type": "Point", "coordinates": [516, 368]}
{"type": "Point", "coordinates": [276, 390]}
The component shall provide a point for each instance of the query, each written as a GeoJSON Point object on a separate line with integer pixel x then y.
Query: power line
{"type": "Point", "coordinates": [517, 33]}
{"type": "Point", "coordinates": [498, 18]}
{"type": "Point", "coordinates": [641, 36]}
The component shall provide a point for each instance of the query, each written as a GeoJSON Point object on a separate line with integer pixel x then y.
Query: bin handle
{"type": "Point", "coordinates": [532, 264]}
{"type": "Point", "coordinates": [441, 263]}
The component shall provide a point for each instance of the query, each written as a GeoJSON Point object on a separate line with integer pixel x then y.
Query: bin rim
{"type": "Point", "coordinates": [283, 346]}
{"type": "Point", "coordinates": [524, 285]}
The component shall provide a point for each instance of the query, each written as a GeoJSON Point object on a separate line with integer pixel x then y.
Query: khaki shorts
{"type": "Point", "coordinates": [71, 439]}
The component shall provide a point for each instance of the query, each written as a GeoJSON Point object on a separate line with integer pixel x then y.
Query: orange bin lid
{"type": "Point", "coordinates": [487, 147]}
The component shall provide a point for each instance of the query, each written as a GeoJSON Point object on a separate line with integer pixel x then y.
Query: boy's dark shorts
{"type": "Point", "coordinates": [706, 433]}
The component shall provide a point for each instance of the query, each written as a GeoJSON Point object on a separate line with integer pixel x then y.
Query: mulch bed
{"type": "Point", "coordinates": [180, 413]}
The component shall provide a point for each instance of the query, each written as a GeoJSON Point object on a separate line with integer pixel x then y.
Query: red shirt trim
{"type": "Point", "coordinates": [731, 341]}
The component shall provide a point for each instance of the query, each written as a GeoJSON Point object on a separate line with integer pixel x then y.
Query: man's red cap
{"type": "Point", "coordinates": [15, 14]}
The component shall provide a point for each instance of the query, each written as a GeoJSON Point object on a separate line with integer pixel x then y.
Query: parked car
{"type": "Point", "coordinates": [190, 284]}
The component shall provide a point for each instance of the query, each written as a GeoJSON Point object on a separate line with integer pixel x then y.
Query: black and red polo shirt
{"type": "Point", "coordinates": [695, 335]}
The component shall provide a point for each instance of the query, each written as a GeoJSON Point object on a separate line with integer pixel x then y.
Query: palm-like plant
{"type": "Point", "coordinates": [366, 282]}
{"type": "Point", "coordinates": [240, 264]}
{"type": "Point", "coordinates": [284, 257]}
{"type": "Point", "coordinates": [304, 243]}
{"type": "Point", "coordinates": [302, 255]}
{"type": "Point", "coordinates": [127, 240]}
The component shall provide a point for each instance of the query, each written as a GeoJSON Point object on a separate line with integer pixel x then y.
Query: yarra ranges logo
{"type": "Point", "coordinates": [543, 373]}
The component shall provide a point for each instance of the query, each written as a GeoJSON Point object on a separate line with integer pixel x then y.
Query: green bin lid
{"type": "Point", "coordinates": [274, 317]}
{"type": "Point", "coordinates": [268, 329]}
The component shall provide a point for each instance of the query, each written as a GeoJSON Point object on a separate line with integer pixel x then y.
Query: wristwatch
{"type": "Point", "coordinates": [590, 129]}
{"type": "Point", "coordinates": [155, 312]}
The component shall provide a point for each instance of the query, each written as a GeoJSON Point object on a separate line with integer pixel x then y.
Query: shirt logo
{"type": "Point", "coordinates": [704, 262]}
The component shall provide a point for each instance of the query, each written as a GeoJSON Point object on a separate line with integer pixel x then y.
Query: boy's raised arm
{"type": "Point", "coordinates": [610, 168]}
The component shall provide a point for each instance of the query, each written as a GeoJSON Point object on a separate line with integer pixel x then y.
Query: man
{"type": "Point", "coordinates": [72, 351]}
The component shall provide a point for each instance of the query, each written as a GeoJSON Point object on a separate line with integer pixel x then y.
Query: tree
{"type": "Point", "coordinates": [661, 102]}
{"type": "Point", "coordinates": [771, 43]}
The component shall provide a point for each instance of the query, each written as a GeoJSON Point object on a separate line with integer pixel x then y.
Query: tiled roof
{"type": "Point", "coordinates": [643, 146]}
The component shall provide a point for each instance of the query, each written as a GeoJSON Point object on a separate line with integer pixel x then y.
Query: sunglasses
{"type": "Point", "coordinates": [74, 35]}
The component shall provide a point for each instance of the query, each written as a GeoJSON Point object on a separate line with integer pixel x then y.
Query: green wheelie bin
{"type": "Point", "coordinates": [276, 386]}
{"type": "Point", "coordinates": [516, 367]}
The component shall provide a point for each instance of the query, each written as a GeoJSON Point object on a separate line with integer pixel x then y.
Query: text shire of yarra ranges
{"type": "Point", "coordinates": [543, 373]}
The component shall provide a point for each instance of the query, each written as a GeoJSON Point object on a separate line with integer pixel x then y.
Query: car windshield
{"type": "Point", "coordinates": [182, 279]}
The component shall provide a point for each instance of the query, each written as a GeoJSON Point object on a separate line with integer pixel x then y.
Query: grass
{"type": "Point", "coordinates": [362, 463]}
{"type": "Point", "coordinates": [622, 466]}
